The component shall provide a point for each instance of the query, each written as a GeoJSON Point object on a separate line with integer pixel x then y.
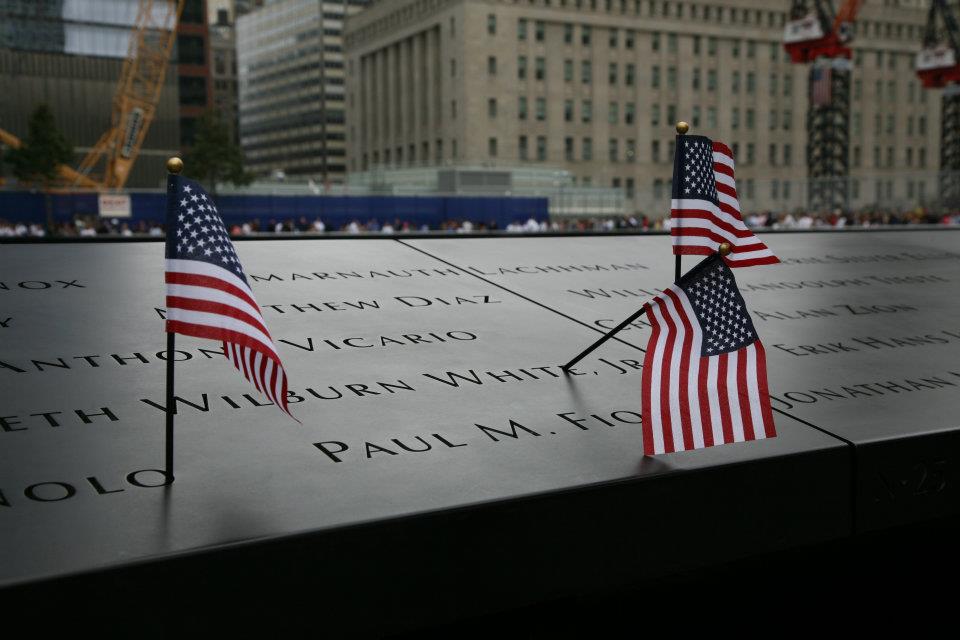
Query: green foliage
{"type": "Point", "coordinates": [214, 157]}
{"type": "Point", "coordinates": [44, 149]}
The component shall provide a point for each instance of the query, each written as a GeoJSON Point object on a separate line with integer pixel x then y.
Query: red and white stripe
{"type": "Point", "coordinates": [207, 301]}
{"type": "Point", "coordinates": [699, 226]}
{"type": "Point", "coordinates": [692, 401]}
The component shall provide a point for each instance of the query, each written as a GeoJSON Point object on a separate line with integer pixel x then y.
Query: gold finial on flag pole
{"type": "Point", "coordinates": [725, 248]}
{"type": "Point", "coordinates": [682, 127]}
{"type": "Point", "coordinates": [174, 165]}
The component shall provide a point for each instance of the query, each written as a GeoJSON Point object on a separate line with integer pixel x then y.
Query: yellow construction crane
{"type": "Point", "coordinates": [108, 164]}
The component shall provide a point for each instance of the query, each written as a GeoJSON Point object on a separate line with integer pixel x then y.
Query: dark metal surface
{"type": "Point", "coordinates": [532, 516]}
{"type": "Point", "coordinates": [253, 487]}
{"type": "Point", "coordinates": [860, 329]}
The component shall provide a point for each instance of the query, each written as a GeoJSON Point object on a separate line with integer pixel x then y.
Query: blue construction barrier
{"type": "Point", "coordinates": [335, 211]}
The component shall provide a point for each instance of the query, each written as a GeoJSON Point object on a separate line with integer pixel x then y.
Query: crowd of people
{"type": "Point", "coordinates": [92, 226]}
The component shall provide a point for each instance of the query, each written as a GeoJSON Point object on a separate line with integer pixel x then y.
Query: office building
{"type": "Point", "coordinates": [594, 87]}
{"type": "Point", "coordinates": [223, 71]}
{"type": "Point", "coordinates": [291, 88]}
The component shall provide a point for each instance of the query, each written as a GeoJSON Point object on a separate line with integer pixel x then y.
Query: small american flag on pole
{"type": "Point", "coordinates": [207, 291]}
{"type": "Point", "coordinates": [704, 379]}
{"type": "Point", "coordinates": [705, 211]}
{"type": "Point", "coordinates": [820, 87]}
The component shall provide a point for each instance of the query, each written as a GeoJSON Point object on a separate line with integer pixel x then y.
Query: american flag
{"type": "Point", "coordinates": [705, 211]}
{"type": "Point", "coordinates": [207, 291]}
{"type": "Point", "coordinates": [820, 89]}
{"type": "Point", "coordinates": [704, 379]}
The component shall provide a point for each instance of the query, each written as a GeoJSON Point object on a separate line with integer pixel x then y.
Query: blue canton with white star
{"type": "Point", "coordinates": [693, 176]}
{"type": "Point", "coordinates": [724, 320]}
{"type": "Point", "coordinates": [195, 230]}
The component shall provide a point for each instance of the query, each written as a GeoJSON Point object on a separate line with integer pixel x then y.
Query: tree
{"type": "Point", "coordinates": [214, 157]}
{"type": "Point", "coordinates": [38, 160]}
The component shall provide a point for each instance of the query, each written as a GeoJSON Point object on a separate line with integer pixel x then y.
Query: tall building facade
{"type": "Point", "coordinates": [595, 87]}
{"type": "Point", "coordinates": [193, 69]}
{"type": "Point", "coordinates": [291, 88]}
{"type": "Point", "coordinates": [68, 54]}
{"type": "Point", "coordinates": [223, 71]}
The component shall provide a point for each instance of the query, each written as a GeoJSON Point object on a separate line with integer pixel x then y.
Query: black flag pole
{"type": "Point", "coordinates": [174, 167]}
{"type": "Point", "coordinates": [724, 250]}
{"type": "Point", "coordinates": [682, 128]}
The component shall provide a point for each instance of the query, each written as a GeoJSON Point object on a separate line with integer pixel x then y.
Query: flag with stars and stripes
{"type": "Point", "coordinates": [820, 86]}
{"type": "Point", "coordinates": [704, 211]}
{"type": "Point", "coordinates": [207, 291]}
{"type": "Point", "coordinates": [704, 379]}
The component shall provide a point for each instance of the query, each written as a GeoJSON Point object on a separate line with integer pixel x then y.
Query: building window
{"type": "Point", "coordinates": [522, 147]}
{"type": "Point", "coordinates": [629, 39]}
{"type": "Point", "coordinates": [750, 119]}
{"type": "Point", "coordinates": [567, 33]}
{"type": "Point", "coordinates": [613, 114]}
{"type": "Point", "coordinates": [695, 119]}
{"type": "Point", "coordinates": [453, 68]}
{"type": "Point", "coordinates": [655, 115]}
{"type": "Point", "coordinates": [453, 109]}
{"type": "Point", "coordinates": [492, 65]}
{"type": "Point", "coordinates": [586, 111]}
{"type": "Point", "coordinates": [522, 29]}
{"type": "Point", "coordinates": [492, 147]}
{"type": "Point", "coordinates": [614, 38]}
{"type": "Point", "coordinates": [587, 149]}
{"type": "Point", "coordinates": [655, 77]}
{"type": "Point", "coordinates": [568, 70]}
{"type": "Point", "coordinates": [539, 30]}
{"type": "Point", "coordinates": [568, 110]}
{"type": "Point", "coordinates": [614, 150]}
{"type": "Point", "coordinates": [695, 79]}
{"type": "Point", "coordinates": [541, 109]}
{"type": "Point", "coordinates": [751, 154]}
{"type": "Point", "coordinates": [711, 46]}
{"type": "Point", "coordinates": [586, 72]}
{"type": "Point", "coordinates": [672, 42]}
{"type": "Point", "coordinates": [629, 113]}
{"type": "Point", "coordinates": [540, 68]}
{"type": "Point", "coordinates": [612, 75]}
{"type": "Point", "coordinates": [522, 107]}
{"type": "Point", "coordinates": [671, 78]}
{"type": "Point", "coordinates": [751, 82]}
{"type": "Point", "coordinates": [491, 107]}
{"type": "Point", "coordinates": [711, 80]}
{"type": "Point", "coordinates": [671, 113]}
{"type": "Point", "coordinates": [491, 25]}
{"type": "Point", "coordinates": [585, 35]}
{"type": "Point", "coordinates": [630, 75]}
{"type": "Point", "coordinates": [696, 45]}
{"type": "Point", "coordinates": [630, 150]}
{"type": "Point", "coordinates": [541, 148]}
{"type": "Point", "coordinates": [735, 118]}
{"type": "Point", "coordinates": [568, 149]}
{"type": "Point", "coordinates": [522, 67]}
{"type": "Point", "coordinates": [711, 117]}
{"type": "Point", "coordinates": [772, 155]}
{"type": "Point", "coordinates": [655, 151]}
{"type": "Point", "coordinates": [735, 82]}
{"type": "Point", "coordinates": [655, 41]}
